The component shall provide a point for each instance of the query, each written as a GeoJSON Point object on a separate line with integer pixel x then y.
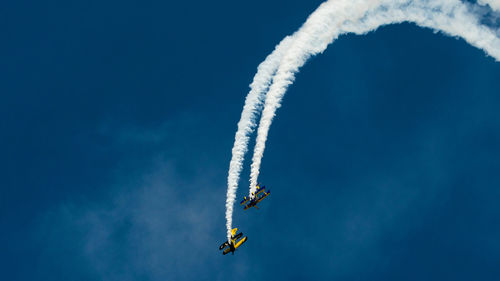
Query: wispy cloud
{"type": "Point", "coordinates": [156, 227]}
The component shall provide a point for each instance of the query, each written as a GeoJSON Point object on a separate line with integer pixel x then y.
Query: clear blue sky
{"type": "Point", "coordinates": [118, 118]}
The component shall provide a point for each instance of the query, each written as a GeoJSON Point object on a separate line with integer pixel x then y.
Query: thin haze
{"type": "Point", "coordinates": [331, 19]}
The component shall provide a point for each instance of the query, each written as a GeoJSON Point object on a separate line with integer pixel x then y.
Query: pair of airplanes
{"type": "Point", "coordinates": [257, 196]}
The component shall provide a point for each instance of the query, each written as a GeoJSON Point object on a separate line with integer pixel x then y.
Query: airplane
{"type": "Point", "coordinates": [233, 245]}
{"type": "Point", "coordinates": [255, 199]}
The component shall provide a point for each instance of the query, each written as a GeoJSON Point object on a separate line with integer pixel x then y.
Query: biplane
{"type": "Point", "coordinates": [256, 197]}
{"type": "Point", "coordinates": [231, 246]}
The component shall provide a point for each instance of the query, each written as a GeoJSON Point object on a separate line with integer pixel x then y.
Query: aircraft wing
{"type": "Point", "coordinates": [263, 196]}
{"type": "Point", "coordinates": [223, 245]}
{"type": "Point", "coordinates": [243, 240]}
{"type": "Point", "coordinates": [226, 251]}
{"type": "Point", "coordinates": [259, 190]}
{"type": "Point", "coordinates": [245, 199]}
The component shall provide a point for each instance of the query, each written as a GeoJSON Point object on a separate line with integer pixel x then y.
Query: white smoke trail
{"type": "Point", "coordinates": [247, 123]}
{"type": "Point", "coordinates": [337, 17]}
{"type": "Point", "coordinates": [494, 4]}
{"type": "Point", "coordinates": [329, 17]}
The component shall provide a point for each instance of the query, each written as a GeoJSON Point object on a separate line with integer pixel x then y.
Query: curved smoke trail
{"type": "Point", "coordinates": [494, 4]}
{"type": "Point", "coordinates": [247, 123]}
{"type": "Point", "coordinates": [336, 17]}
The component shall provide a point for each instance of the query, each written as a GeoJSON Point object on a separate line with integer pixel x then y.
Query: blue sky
{"type": "Point", "coordinates": [118, 120]}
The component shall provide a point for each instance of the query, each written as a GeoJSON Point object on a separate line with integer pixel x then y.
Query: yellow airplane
{"type": "Point", "coordinates": [231, 247]}
{"type": "Point", "coordinates": [252, 202]}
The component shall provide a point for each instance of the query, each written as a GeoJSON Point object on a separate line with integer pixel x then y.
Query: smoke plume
{"type": "Point", "coordinates": [332, 19]}
{"type": "Point", "coordinates": [337, 17]}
